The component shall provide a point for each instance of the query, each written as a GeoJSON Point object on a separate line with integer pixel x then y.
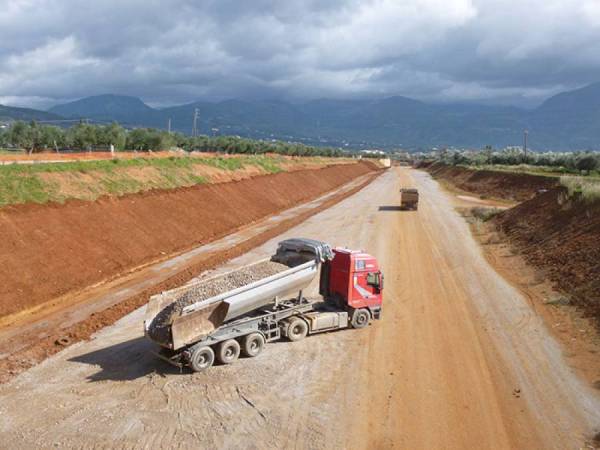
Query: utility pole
{"type": "Point", "coordinates": [525, 144]}
{"type": "Point", "coordinates": [195, 126]}
{"type": "Point", "coordinates": [169, 126]}
{"type": "Point", "coordinates": [319, 130]}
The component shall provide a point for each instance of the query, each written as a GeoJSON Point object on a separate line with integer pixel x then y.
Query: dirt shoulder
{"type": "Point", "coordinates": [548, 248]}
{"type": "Point", "coordinates": [577, 332]}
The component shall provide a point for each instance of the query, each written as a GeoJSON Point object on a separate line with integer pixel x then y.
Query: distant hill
{"type": "Point", "coordinates": [390, 122]}
{"type": "Point", "coordinates": [570, 120]}
{"type": "Point", "coordinates": [109, 107]}
{"type": "Point", "coordinates": [10, 113]}
{"type": "Point", "coordinates": [583, 101]}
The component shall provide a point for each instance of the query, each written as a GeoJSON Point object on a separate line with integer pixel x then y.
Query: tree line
{"type": "Point", "coordinates": [35, 137]}
{"type": "Point", "coordinates": [567, 162]}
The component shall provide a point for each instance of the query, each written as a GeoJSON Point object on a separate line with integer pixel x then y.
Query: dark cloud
{"type": "Point", "coordinates": [181, 50]}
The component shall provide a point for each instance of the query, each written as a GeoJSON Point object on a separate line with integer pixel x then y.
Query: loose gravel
{"type": "Point", "coordinates": [197, 292]}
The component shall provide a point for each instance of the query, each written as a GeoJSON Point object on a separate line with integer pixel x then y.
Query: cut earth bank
{"type": "Point", "coordinates": [49, 250]}
{"type": "Point", "coordinates": [488, 183]}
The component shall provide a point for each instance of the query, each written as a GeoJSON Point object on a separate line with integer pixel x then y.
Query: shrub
{"type": "Point", "coordinates": [484, 214]}
{"type": "Point", "coordinates": [587, 164]}
{"type": "Point", "coordinates": [588, 188]}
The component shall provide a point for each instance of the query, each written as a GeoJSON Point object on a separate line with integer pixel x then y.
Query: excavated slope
{"type": "Point", "coordinates": [50, 250]}
{"type": "Point", "coordinates": [561, 236]}
{"type": "Point", "coordinates": [506, 185]}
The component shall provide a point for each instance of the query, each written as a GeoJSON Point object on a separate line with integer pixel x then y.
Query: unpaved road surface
{"type": "Point", "coordinates": [460, 360]}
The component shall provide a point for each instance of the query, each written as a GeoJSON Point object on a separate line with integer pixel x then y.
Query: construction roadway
{"type": "Point", "coordinates": [459, 360]}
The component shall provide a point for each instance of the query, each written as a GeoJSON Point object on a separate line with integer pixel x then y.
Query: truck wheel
{"type": "Point", "coordinates": [252, 344]}
{"type": "Point", "coordinates": [228, 351]}
{"type": "Point", "coordinates": [360, 318]}
{"type": "Point", "coordinates": [297, 329]}
{"type": "Point", "coordinates": [202, 358]}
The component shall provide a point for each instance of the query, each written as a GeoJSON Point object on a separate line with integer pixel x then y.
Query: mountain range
{"type": "Point", "coordinates": [8, 113]}
{"type": "Point", "coordinates": [567, 121]}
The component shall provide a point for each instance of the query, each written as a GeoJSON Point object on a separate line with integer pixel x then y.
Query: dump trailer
{"type": "Point", "coordinates": [409, 198]}
{"type": "Point", "coordinates": [199, 323]}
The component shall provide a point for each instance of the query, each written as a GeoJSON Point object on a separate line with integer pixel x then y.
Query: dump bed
{"type": "Point", "coordinates": [182, 316]}
{"type": "Point", "coordinates": [409, 197]}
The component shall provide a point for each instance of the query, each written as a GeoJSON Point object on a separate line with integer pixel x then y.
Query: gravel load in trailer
{"type": "Point", "coordinates": [205, 289]}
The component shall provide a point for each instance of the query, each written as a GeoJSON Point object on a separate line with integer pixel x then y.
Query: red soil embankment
{"type": "Point", "coordinates": [561, 236]}
{"type": "Point", "coordinates": [489, 183]}
{"type": "Point", "coordinates": [49, 250]}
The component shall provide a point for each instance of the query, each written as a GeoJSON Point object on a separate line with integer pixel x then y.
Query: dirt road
{"type": "Point", "coordinates": [460, 360]}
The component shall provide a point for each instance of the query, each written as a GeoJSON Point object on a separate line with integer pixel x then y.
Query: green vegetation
{"type": "Point", "coordinates": [267, 164]}
{"type": "Point", "coordinates": [587, 188]}
{"type": "Point", "coordinates": [515, 160]}
{"type": "Point", "coordinates": [41, 182]}
{"type": "Point", "coordinates": [16, 188]}
{"type": "Point", "coordinates": [108, 165]}
{"type": "Point", "coordinates": [34, 137]}
{"type": "Point", "coordinates": [524, 168]}
{"type": "Point", "coordinates": [484, 213]}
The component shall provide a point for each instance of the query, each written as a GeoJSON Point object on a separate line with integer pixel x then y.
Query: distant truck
{"type": "Point", "coordinates": [409, 198]}
{"type": "Point", "coordinates": [243, 319]}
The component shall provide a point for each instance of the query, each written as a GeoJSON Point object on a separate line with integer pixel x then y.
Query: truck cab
{"type": "Point", "coordinates": [353, 280]}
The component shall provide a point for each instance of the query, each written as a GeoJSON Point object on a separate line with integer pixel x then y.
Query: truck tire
{"type": "Point", "coordinates": [360, 318]}
{"type": "Point", "coordinates": [228, 351]}
{"type": "Point", "coordinates": [202, 358]}
{"type": "Point", "coordinates": [297, 329]}
{"type": "Point", "coordinates": [252, 344]}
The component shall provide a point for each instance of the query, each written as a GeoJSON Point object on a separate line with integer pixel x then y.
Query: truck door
{"type": "Point", "coordinates": [362, 290]}
{"type": "Point", "coordinates": [367, 284]}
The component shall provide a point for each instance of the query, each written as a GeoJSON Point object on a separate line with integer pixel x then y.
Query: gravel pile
{"type": "Point", "coordinates": [159, 330]}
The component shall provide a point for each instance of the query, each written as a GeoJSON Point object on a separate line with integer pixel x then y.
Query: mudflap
{"type": "Point", "coordinates": [176, 359]}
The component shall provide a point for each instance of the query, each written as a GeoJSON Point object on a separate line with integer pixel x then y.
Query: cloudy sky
{"type": "Point", "coordinates": [176, 51]}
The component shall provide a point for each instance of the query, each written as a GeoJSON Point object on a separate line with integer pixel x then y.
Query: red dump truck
{"type": "Point", "coordinates": [195, 330]}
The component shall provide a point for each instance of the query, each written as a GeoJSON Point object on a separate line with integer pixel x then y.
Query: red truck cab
{"type": "Point", "coordinates": [354, 281]}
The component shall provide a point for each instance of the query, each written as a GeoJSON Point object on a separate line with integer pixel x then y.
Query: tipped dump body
{"type": "Point", "coordinates": [186, 315]}
{"type": "Point", "coordinates": [174, 319]}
